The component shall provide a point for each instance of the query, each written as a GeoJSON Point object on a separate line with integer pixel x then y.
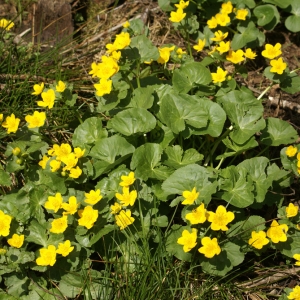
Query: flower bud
{"type": "Point", "coordinates": [16, 151]}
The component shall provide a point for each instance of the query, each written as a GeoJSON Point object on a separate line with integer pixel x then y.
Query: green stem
{"type": "Point", "coordinates": [216, 144]}
{"type": "Point", "coordinates": [138, 74]}
{"type": "Point", "coordinates": [220, 163]}
{"type": "Point", "coordinates": [264, 92]}
{"type": "Point", "coordinates": [262, 151]}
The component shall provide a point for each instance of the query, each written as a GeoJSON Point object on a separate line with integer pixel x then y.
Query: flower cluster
{"type": "Point", "coordinates": [294, 155]}
{"type": "Point", "coordinates": [270, 52]}
{"type": "Point", "coordinates": [64, 159]}
{"type": "Point", "coordinates": [127, 198]}
{"type": "Point", "coordinates": [226, 13]}
{"type": "Point", "coordinates": [219, 221]}
{"type": "Point", "coordinates": [178, 15]}
{"type": "Point", "coordinates": [48, 255]}
{"type": "Point", "coordinates": [109, 64]}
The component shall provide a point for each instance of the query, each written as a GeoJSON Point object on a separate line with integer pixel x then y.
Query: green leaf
{"type": "Point", "coordinates": [245, 112]}
{"type": "Point", "coordinates": [256, 168]}
{"type": "Point", "coordinates": [108, 149]}
{"type": "Point", "coordinates": [278, 132]}
{"type": "Point", "coordinates": [235, 189]}
{"type": "Point", "coordinates": [145, 47]}
{"type": "Point", "coordinates": [267, 15]}
{"type": "Point", "coordinates": [133, 121]}
{"type": "Point", "coordinates": [291, 83]}
{"type": "Point", "coordinates": [189, 75]}
{"type": "Point", "coordinates": [291, 246]}
{"type": "Point", "coordinates": [51, 180]}
{"type": "Point", "coordinates": [146, 162]}
{"type": "Point", "coordinates": [176, 159]}
{"type": "Point", "coordinates": [4, 178]}
{"type": "Point", "coordinates": [17, 285]}
{"type": "Point", "coordinates": [178, 110]}
{"type": "Point", "coordinates": [37, 197]}
{"type": "Point", "coordinates": [160, 221]}
{"type": "Point", "coordinates": [105, 230]}
{"type": "Point", "coordinates": [90, 131]}
{"type": "Point", "coordinates": [279, 3]}
{"type": "Point", "coordinates": [142, 97]}
{"type": "Point", "coordinates": [221, 264]}
{"type": "Point", "coordinates": [247, 35]}
{"type": "Point", "coordinates": [249, 3]}
{"type": "Point", "coordinates": [188, 177]}
{"type": "Point", "coordinates": [173, 247]}
{"type": "Point", "coordinates": [243, 229]}
{"type": "Point", "coordinates": [37, 234]}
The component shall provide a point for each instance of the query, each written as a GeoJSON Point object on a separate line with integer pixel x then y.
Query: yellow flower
{"type": "Point", "coordinates": [197, 216]}
{"type": "Point", "coordinates": [219, 36]}
{"type": "Point", "coordinates": [297, 257]}
{"type": "Point", "coordinates": [48, 99]}
{"type": "Point", "coordinates": [36, 120]}
{"type": "Point", "coordinates": [291, 151]}
{"type": "Point", "coordinates": [127, 198]}
{"type": "Point", "coordinates": [104, 87]}
{"type": "Point", "coordinates": [291, 210]}
{"type": "Point", "coordinates": [235, 56]}
{"type": "Point", "coordinates": [277, 232]}
{"type": "Point", "coordinates": [6, 24]}
{"type": "Point", "coordinates": [190, 197]}
{"type": "Point", "coordinates": [220, 218]}
{"type": "Point", "coordinates": [122, 40]}
{"type": "Point", "coordinates": [54, 165]}
{"type": "Point", "coordinates": [179, 52]}
{"type": "Point", "coordinates": [222, 19]}
{"type": "Point", "coordinates": [127, 180]}
{"type": "Point", "coordinates": [79, 152]}
{"type": "Point", "coordinates": [188, 240]}
{"type": "Point", "coordinates": [11, 123]}
{"type": "Point", "coordinates": [43, 162]}
{"type": "Point", "coordinates": [271, 51]}
{"type": "Point", "coordinates": [200, 45]}
{"type": "Point", "coordinates": [54, 203]}
{"type": "Point", "coordinates": [16, 240]}
{"type": "Point", "coordinates": [182, 4]}
{"type": "Point", "coordinates": [164, 54]}
{"type": "Point", "coordinates": [38, 89]}
{"type": "Point", "coordinates": [59, 225]}
{"type": "Point", "coordinates": [212, 23]}
{"type": "Point", "coordinates": [107, 68]}
{"type": "Point", "coordinates": [2, 251]}
{"type": "Point", "coordinates": [241, 14]}
{"type": "Point", "coordinates": [116, 55]}
{"type": "Point", "coordinates": [75, 172]}
{"type": "Point", "coordinates": [295, 293]}
{"type": "Point", "coordinates": [227, 8]}
{"type": "Point", "coordinates": [71, 207]}
{"type": "Point", "coordinates": [278, 66]}
{"type": "Point", "coordinates": [92, 197]}
{"type": "Point", "coordinates": [177, 16]}
{"type": "Point", "coordinates": [126, 24]}
{"type": "Point", "coordinates": [62, 151]}
{"type": "Point", "coordinates": [88, 216]}
{"type": "Point", "coordinates": [64, 248]}
{"type": "Point", "coordinates": [16, 151]}
{"type": "Point", "coordinates": [124, 219]}
{"type": "Point", "coordinates": [47, 256]}
{"type": "Point", "coordinates": [70, 161]}
{"type": "Point", "coordinates": [258, 239]}
{"type": "Point", "coordinates": [115, 208]}
{"type": "Point", "coordinates": [5, 221]}
{"type": "Point", "coordinates": [223, 47]}
{"type": "Point", "coordinates": [220, 76]}
{"type": "Point", "coordinates": [60, 87]}
{"type": "Point", "coordinates": [210, 247]}
{"type": "Point", "coordinates": [250, 54]}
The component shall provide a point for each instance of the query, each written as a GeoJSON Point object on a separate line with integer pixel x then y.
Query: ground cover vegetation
{"type": "Point", "coordinates": [168, 183]}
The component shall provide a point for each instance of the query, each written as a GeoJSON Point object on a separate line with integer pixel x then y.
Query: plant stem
{"type": "Point", "coordinates": [264, 92]}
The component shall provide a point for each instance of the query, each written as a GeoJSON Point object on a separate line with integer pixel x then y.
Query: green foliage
{"type": "Point", "coordinates": [166, 163]}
